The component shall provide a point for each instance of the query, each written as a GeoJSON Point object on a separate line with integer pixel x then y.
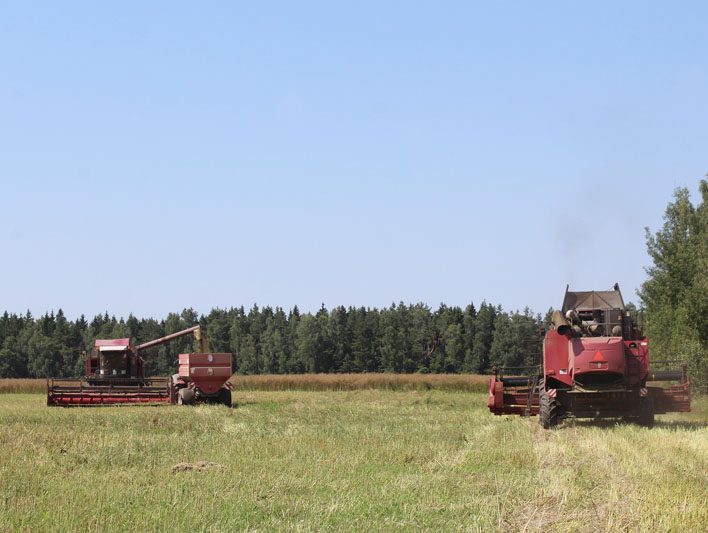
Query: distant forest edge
{"type": "Point", "coordinates": [402, 338]}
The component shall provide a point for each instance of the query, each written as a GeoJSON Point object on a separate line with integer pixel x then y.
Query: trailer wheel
{"type": "Point", "coordinates": [646, 413]}
{"type": "Point", "coordinates": [184, 396]}
{"type": "Point", "coordinates": [549, 411]}
{"type": "Point", "coordinates": [225, 397]}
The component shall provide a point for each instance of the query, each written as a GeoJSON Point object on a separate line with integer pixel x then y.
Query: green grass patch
{"type": "Point", "coordinates": [351, 460]}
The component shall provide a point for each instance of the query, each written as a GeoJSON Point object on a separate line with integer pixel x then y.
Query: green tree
{"type": "Point", "coordinates": [469, 326]}
{"type": "Point", "coordinates": [454, 348]}
{"type": "Point", "coordinates": [483, 336]}
{"type": "Point", "coordinates": [12, 364]}
{"type": "Point", "coordinates": [341, 338]}
{"type": "Point", "coordinates": [43, 355]}
{"type": "Point", "coordinates": [675, 295]}
{"type": "Point", "coordinates": [273, 343]}
{"type": "Point", "coordinates": [247, 359]}
{"type": "Point", "coordinates": [281, 343]}
{"type": "Point", "coordinates": [308, 344]}
{"type": "Point", "coordinates": [365, 346]}
{"type": "Point", "coordinates": [218, 330]}
{"type": "Point", "coordinates": [393, 345]}
{"type": "Point", "coordinates": [503, 350]}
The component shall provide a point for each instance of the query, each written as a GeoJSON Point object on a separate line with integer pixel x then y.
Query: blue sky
{"type": "Point", "coordinates": [161, 155]}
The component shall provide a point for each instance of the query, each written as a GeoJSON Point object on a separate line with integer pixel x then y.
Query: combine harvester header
{"type": "Point", "coordinates": [595, 365]}
{"type": "Point", "coordinates": [114, 374]}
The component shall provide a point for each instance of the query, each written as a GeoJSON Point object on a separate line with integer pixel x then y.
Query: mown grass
{"type": "Point", "coordinates": [345, 460]}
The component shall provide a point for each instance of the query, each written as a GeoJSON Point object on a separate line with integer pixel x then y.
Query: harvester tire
{"type": "Point", "coordinates": [646, 413]}
{"type": "Point", "coordinates": [549, 413]}
{"type": "Point", "coordinates": [185, 396]}
{"type": "Point", "coordinates": [225, 397]}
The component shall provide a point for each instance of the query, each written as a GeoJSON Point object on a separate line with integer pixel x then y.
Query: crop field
{"type": "Point", "coordinates": [416, 457]}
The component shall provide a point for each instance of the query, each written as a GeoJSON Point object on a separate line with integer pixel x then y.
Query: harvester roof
{"type": "Point", "coordinates": [108, 345]}
{"type": "Point", "coordinates": [589, 300]}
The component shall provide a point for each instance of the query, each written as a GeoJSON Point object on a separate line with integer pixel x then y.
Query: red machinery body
{"type": "Point", "coordinates": [595, 365]}
{"type": "Point", "coordinates": [79, 392]}
{"type": "Point", "coordinates": [114, 374]}
{"type": "Point", "coordinates": [203, 377]}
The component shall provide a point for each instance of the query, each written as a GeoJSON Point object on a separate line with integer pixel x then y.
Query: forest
{"type": "Point", "coordinates": [401, 338]}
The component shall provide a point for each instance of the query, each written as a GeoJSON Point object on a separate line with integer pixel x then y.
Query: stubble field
{"type": "Point", "coordinates": [370, 459]}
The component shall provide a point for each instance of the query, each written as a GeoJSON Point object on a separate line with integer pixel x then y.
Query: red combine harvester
{"type": "Point", "coordinates": [114, 374]}
{"type": "Point", "coordinates": [595, 365]}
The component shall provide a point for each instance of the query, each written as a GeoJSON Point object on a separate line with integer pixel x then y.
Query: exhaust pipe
{"type": "Point", "coordinates": [561, 324]}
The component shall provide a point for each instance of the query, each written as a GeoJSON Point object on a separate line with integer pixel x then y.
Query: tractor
{"type": "Point", "coordinates": [595, 365]}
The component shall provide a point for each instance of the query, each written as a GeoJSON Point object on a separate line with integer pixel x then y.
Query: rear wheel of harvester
{"type": "Point", "coordinates": [225, 397]}
{"type": "Point", "coordinates": [646, 413]}
{"type": "Point", "coordinates": [549, 411]}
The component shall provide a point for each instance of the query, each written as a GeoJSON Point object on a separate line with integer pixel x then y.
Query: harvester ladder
{"type": "Point", "coordinates": [532, 392]}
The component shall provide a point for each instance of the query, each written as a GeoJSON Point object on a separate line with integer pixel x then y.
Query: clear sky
{"type": "Point", "coordinates": [162, 155]}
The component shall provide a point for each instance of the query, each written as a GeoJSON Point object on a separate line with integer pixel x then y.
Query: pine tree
{"type": "Point", "coordinates": [482, 344]}
{"type": "Point", "coordinates": [454, 349]}
{"type": "Point", "coordinates": [307, 344]}
{"type": "Point", "coordinates": [392, 345]}
{"type": "Point", "coordinates": [341, 338]}
{"type": "Point", "coordinates": [247, 358]}
{"type": "Point", "coordinates": [503, 348]}
{"type": "Point", "coordinates": [469, 327]}
{"type": "Point", "coordinates": [218, 330]}
{"type": "Point", "coordinates": [12, 364]}
{"type": "Point", "coordinates": [281, 342]}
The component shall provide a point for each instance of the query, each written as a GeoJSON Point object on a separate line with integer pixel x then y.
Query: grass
{"type": "Point", "coordinates": [368, 459]}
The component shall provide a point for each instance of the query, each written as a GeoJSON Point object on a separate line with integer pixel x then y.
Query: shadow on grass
{"type": "Point", "coordinates": [674, 425]}
{"type": "Point", "coordinates": [242, 403]}
{"type": "Point", "coordinates": [680, 424]}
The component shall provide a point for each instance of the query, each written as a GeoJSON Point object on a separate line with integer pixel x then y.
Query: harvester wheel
{"type": "Point", "coordinates": [646, 412]}
{"type": "Point", "coordinates": [184, 396]}
{"type": "Point", "coordinates": [549, 411]}
{"type": "Point", "coordinates": [225, 397]}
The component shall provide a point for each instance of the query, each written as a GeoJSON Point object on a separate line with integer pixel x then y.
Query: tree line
{"type": "Point", "coordinates": [400, 338]}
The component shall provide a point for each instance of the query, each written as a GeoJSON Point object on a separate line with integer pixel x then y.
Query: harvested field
{"type": "Point", "coordinates": [344, 460]}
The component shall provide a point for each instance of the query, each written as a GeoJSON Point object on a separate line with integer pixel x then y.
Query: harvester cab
{"type": "Point", "coordinates": [595, 365]}
{"type": "Point", "coordinates": [114, 374]}
{"type": "Point", "coordinates": [113, 359]}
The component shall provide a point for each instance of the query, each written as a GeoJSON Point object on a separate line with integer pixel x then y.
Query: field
{"type": "Point", "coordinates": [416, 457]}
